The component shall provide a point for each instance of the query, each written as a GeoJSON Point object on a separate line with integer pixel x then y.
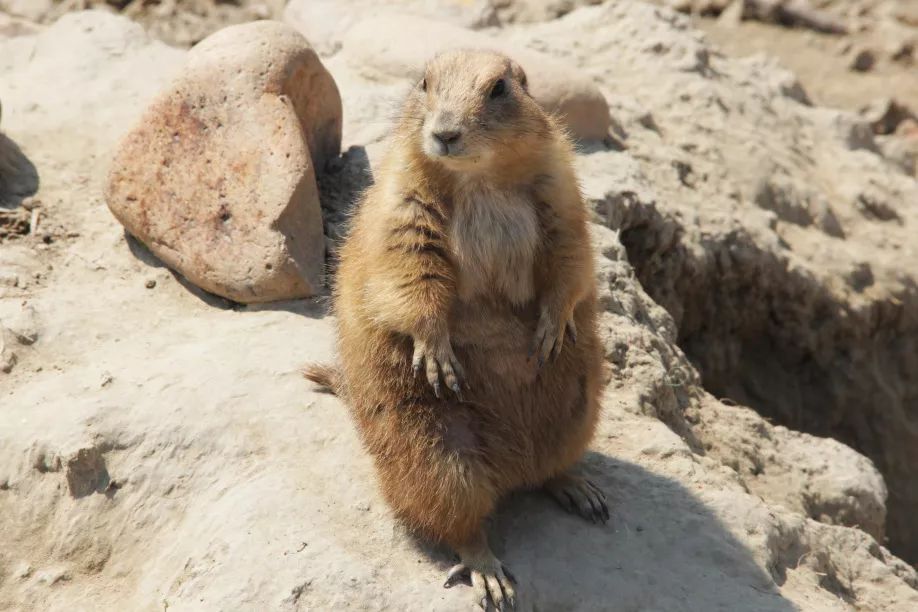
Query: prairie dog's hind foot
{"type": "Point", "coordinates": [491, 580]}
{"type": "Point", "coordinates": [580, 496]}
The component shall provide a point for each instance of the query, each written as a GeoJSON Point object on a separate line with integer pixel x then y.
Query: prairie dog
{"type": "Point", "coordinates": [466, 313]}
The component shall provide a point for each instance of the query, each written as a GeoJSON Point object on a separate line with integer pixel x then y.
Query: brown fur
{"type": "Point", "coordinates": [469, 256]}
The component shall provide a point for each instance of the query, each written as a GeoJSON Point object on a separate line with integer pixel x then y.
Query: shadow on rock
{"type": "Point", "coordinates": [663, 549]}
{"type": "Point", "coordinates": [340, 186]}
{"type": "Point", "coordinates": [18, 175]}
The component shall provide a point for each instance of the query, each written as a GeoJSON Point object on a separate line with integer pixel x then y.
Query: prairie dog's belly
{"type": "Point", "coordinates": [494, 236]}
{"type": "Point", "coordinates": [486, 325]}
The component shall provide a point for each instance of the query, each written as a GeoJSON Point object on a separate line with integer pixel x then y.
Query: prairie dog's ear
{"type": "Point", "coordinates": [519, 75]}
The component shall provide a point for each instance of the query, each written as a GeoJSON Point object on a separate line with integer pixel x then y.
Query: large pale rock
{"type": "Point", "coordinates": [11, 26]}
{"type": "Point", "coordinates": [324, 22]}
{"type": "Point", "coordinates": [372, 49]}
{"type": "Point", "coordinates": [32, 10]}
{"type": "Point", "coordinates": [218, 177]}
{"type": "Point", "coordinates": [527, 11]}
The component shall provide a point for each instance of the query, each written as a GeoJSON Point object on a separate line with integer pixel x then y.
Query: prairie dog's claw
{"type": "Point", "coordinates": [492, 586]}
{"type": "Point", "coordinates": [549, 336]}
{"type": "Point", "coordinates": [572, 332]}
{"type": "Point", "coordinates": [438, 360]}
{"type": "Point", "coordinates": [579, 496]}
{"type": "Point", "coordinates": [458, 573]}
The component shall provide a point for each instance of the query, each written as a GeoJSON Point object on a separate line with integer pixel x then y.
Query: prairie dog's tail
{"type": "Point", "coordinates": [327, 377]}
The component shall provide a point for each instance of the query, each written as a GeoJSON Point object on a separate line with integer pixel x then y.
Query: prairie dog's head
{"type": "Point", "coordinates": [471, 106]}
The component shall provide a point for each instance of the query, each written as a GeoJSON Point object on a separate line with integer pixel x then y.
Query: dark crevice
{"type": "Point", "coordinates": [775, 338]}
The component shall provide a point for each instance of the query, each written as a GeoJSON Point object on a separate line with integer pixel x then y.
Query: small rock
{"type": "Point", "coordinates": [11, 26]}
{"type": "Point", "coordinates": [33, 10]}
{"type": "Point", "coordinates": [902, 149]}
{"type": "Point", "coordinates": [860, 276]}
{"type": "Point", "coordinates": [22, 571]}
{"type": "Point", "coordinates": [24, 325]}
{"type": "Point", "coordinates": [7, 358]}
{"type": "Point", "coordinates": [30, 203]}
{"type": "Point", "coordinates": [321, 22]}
{"type": "Point", "coordinates": [556, 86]}
{"type": "Point", "coordinates": [908, 128]}
{"type": "Point", "coordinates": [86, 472]}
{"type": "Point", "coordinates": [886, 114]}
{"type": "Point", "coordinates": [52, 576]}
{"type": "Point", "coordinates": [324, 22]}
{"type": "Point", "coordinates": [218, 177]}
{"type": "Point", "coordinates": [863, 61]}
{"type": "Point", "coordinates": [151, 283]}
{"type": "Point", "coordinates": [844, 47]}
{"type": "Point", "coordinates": [903, 52]}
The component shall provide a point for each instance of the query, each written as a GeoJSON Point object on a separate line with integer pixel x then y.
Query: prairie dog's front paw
{"type": "Point", "coordinates": [437, 358]}
{"type": "Point", "coordinates": [549, 334]}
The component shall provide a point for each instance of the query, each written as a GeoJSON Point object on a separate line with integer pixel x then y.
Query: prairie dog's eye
{"type": "Point", "coordinates": [424, 84]}
{"type": "Point", "coordinates": [499, 88]}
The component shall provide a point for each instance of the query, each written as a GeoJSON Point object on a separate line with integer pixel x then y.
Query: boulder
{"type": "Point", "coordinates": [31, 10]}
{"type": "Point", "coordinates": [324, 22]}
{"type": "Point", "coordinates": [218, 177]}
{"type": "Point", "coordinates": [558, 87]}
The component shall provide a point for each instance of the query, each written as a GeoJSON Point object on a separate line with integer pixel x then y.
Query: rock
{"type": "Point", "coordinates": [22, 570]}
{"type": "Point", "coordinates": [556, 86]}
{"type": "Point", "coordinates": [903, 51]}
{"type": "Point", "coordinates": [52, 576]}
{"type": "Point", "coordinates": [886, 114]}
{"type": "Point", "coordinates": [901, 149]}
{"type": "Point", "coordinates": [795, 13]}
{"type": "Point", "coordinates": [908, 128]}
{"type": "Point", "coordinates": [19, 264]}
{"type": "Point", "coordinates": [838, 486]}
{"type": "Point", "coordinates": [324, 22]}
{"type": "Point", "coordinates": [30, 10]}
{"type": "Point", "coordinates": [8, 356]}
{"type": "Point", "coordinates": [11, 26]}
{"type": "Point", "coordinates": [863, 61]}
{"type": "Point", "coordinates": [528, 11]}
{"type": "Point", "coordinates": [731, 15]}
{"type": "Point", "coordinates": [23, 324]}
{"type": "Point", "coordinates": [218, 177]}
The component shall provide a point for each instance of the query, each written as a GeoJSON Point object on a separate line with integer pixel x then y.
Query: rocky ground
{"type": "Point", "coordinates": [159, 449]}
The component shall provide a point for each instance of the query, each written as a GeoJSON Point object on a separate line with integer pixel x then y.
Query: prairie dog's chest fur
{"type": "Point", "coordinates": [494, 236]}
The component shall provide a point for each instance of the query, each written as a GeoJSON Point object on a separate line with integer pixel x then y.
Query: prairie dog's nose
{"type": "Point", "coordinates": [447, 137]}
